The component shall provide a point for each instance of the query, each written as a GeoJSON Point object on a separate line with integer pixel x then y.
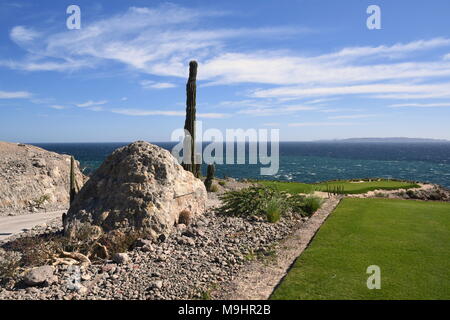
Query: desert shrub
{"type": "Point", "coordinates": [266, 201]}
{"type": "Point", "coordinates": [249, 201]}
{"type": "Point", "coordinates": [118, 242]}
{"type": "Point", "coordinates": [411, 194]}
{"type": "Point", "coordinates": [296, 203]}
{"type": "Point", "coordinates": [273, 211]}
{"type": "Point", "coordinates": [310, 205]}
{"type": "Point", "coordinates": [9, 263]}
{"type": "Point", "coordinates": [222, 183]}
{"type": "Point", "coordinates": [205, 295]}
{"type": "Point", "coordinates": [37, 251]}
{"type": "Point", "coordinates": [41, 201]}
{"type": "Point", "coordinates": [214, 188]}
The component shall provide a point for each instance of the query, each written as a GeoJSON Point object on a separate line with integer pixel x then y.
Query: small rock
{"type": "Point", "coordinates": [86, 277]}
{"type": "Point", "coordinates": [142, 243]}
{"type": "Point", "coordinates": [108, 268]}
{"type": "Point", "coordinates": [40, 276]}
{"type": "Point", "coordinates": [187, 241]}
{"type": "Point", "coordinates": [147, 248]}
{"type": "Point", "coordinates": [189, 233]}
{"type": "Point", "coordinates": [181, 227]}
{"type": "Point", "coordinates": [158, 284]}
{"type": "Point", "coordinates": [121, 258]}
{"type": "Point", "coordinates": [82, 290]}
{"type": "Point", "coordinates": [200, 233]}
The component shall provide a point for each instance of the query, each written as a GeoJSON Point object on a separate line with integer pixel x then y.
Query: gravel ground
{"type": "Point", "coordinates": [187, 265]}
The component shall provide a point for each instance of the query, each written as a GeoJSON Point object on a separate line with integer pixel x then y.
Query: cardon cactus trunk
{"type": "Point", "coordinates": [189, 124]}
{"type": "Point", "coordinates": [73, 183]}
{"type": "Point", "coordinates": [209, 176]}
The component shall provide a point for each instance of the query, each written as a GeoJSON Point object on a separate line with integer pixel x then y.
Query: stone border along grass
{"type": "Point", "coordinates": [260, 278]}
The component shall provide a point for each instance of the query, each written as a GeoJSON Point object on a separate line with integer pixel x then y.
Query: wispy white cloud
{"type": "Point", "coordinates": [58, 107]}
{"type": "Point", "coordinates": [157, 40]}
{"type": "Point", "coordinates": [354, 116]}
{"type": "Point", "coordinates": [321, 124]}
{"type": "Point", "coordinates": [149, 84]}
{"type": "Point", "coordinates": [272, 124]}
{"type": "Point", "coordinates": [161, 40]}
{"type": "Point", "coordinates": [278, 110]}
{"type": "Point", "coordinates": [334, 110]}
{"type": "Point", "coordinates": [320, 101]}
{"type": "Point", "coordinates": [400, 90]}
{"type": "Point", "coordinates": [59, 65]}
{"type": "Point", "coordinates": [140, 112]}
{"type": "Point", "coordinates": [22, 34]}
{"type": "Point", "coordinates": [91, 103]}
{"type": "Point", "coordinates": [420, 105]}
{"type": "Point", "coordinates": [14, 94]}
{"type": "Point", "coordinates": [397, 50]}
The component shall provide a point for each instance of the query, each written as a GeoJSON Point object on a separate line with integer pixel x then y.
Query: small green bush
{"type": "Point", "coordinates": [273, 211]}
{"type": "Point", "coordinates": [296, 203]}
{"type": "Point", "coordinates": [311, 205]}
{"type": "Point", "coordinates": [411, 194]}
{"type": "Point", "coordinates": [41, 200]}
{"type": "Point", "coordinates": [222, 183]}
{"type": "Point", "coordinates": [267, 201]}
{"type": "Point", "coordinates": [249, 201]}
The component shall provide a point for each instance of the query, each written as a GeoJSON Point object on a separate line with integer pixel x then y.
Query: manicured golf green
{"type": "Point", "coordinates": [349, 187]}
{"type": "Point", "coordinates": [409, 240]}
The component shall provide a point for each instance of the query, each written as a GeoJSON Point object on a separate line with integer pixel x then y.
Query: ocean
{"type": "Point", "coordinates": [312, 161]}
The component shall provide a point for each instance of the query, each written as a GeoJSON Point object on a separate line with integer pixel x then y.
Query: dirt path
{"type": "Point", "coordinates": [14, 224]}
{"type": "Point", "coordinates": [259, 280]}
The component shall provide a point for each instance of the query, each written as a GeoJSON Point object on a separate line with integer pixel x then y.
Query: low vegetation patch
{"type": "Point", "coordinates": [273, 211]}
{"type": "Point", "coordinates": [55, 248]}
{"type": "Point", "coordinates": [9, 264]}
{"type": "Point", "coordinates": [341, 186]}
{"type": "Point", "coordinates": [267, 201]}
{"type": "Point", "coordinates": [311, 204]}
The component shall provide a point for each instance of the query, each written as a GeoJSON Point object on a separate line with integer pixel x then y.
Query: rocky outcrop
{"type": "Point", "coordinates": [139, 187]}
{"type": "Point", "coordinates": [33, 179]}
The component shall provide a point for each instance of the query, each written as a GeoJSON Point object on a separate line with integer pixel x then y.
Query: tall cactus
{"type": "Point", "coordinates": [209, 176]}
{"type": "Point", "coordinates": [73, 182]}
{"type": "Point", "coordinates": [189, 124]}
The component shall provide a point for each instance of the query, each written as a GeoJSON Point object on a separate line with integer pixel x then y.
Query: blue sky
{"type": "Point", "coordinates": [310, 68]}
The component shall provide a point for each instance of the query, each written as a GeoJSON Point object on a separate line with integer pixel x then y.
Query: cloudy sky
{"type": "Point", "coordinates": [310, 68]}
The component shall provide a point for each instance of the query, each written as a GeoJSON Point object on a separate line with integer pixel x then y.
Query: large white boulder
{"type": "Point", "coordinates": [139, 187]}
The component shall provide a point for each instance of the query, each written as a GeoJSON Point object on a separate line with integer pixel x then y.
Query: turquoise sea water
{"type": "Point", "coordinates": [313, 161]}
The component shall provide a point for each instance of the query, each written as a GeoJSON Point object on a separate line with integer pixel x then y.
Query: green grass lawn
{"type": "Point", "coordinates": [408, 240]}
{"type": "Point", "coordinates": [349, 187]}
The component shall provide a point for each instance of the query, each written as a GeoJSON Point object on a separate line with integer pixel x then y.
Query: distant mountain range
{"type": "Point", "coordinates": [389, 140]}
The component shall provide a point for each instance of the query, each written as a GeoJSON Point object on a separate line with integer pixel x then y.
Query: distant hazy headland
{"type": "Point", "coordinates": [387, 140]}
